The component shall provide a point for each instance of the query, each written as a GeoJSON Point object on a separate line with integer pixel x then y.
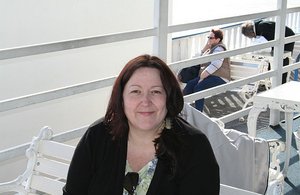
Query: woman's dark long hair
{"type": "Point", "coordinates": [116, 119]}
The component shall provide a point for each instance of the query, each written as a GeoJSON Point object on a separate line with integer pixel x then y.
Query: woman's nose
{"type": "Point", "coordinates": [146, 98]}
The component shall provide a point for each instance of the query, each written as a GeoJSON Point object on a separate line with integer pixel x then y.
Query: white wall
{"type": "Point", "coordinates": [34, 22]}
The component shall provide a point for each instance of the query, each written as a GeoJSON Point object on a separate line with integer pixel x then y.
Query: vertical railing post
{"type": "Point", "coordinates": [161, 22]}
{"type": "Point", "coordinates": [278, 54]}
{"type": "Point", "coordinates": [279, 35]}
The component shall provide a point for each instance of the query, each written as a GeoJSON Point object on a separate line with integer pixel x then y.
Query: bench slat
{"type": "Point", "coordinates": [229, 190]}
{"type": "Point", "coordinates": [47, 185]}
{"type": "Point", "coordinates": [52, 167]}
{"type": "Point", "coordinates": [239, 71]}
{"type": "Point", "coordinates": [56, 149]}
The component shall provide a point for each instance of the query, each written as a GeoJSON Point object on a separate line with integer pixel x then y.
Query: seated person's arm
{"type": "Point", "coordinates": [203, 75]}
{"type": "Point", "coordinates": [213, 66]}
{"type": "Point", "coordinates": [205, 49]}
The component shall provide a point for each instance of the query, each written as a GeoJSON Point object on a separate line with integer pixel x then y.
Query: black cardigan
{"type": "Point", "coordinates": [98, 165]}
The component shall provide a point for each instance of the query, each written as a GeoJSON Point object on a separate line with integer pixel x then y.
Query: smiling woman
{"type": "Point", "coordinates": [142, 146]}
{"type": "Point", "coordinates": [145, 101]}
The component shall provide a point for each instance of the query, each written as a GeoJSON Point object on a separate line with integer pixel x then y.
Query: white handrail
{"type": "Point", "coordinates": [73, 44]}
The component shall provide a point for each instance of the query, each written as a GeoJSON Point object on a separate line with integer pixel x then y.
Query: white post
{"type": "Point", "coordinates": [278, 54]}
{"type": "Point", "coordinates": [161, 17]}
{"type": "Point", "coordinates": [297, 138]}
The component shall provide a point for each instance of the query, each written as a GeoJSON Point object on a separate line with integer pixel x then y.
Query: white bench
{"type": "Point", "coordinates": [250, 65]}
{"type": "Point", "coordinates": [241, 69]}
{"type": "Point", "coordinates": [47, 167]}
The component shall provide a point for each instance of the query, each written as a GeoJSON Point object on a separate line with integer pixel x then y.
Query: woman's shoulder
{"type": "Point", "coordinates": [195, 145]}
{"type": "Point", "coordinates": [98, 130]}
{"type": "Point", "coordinates": [193, 137]}
{"type": "Point", "coordinates": [97, 123]}
{"type": "Point", "coordinates": [188, 130]}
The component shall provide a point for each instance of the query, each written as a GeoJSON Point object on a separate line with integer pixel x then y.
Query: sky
{"type": "Point", "coordinates": [185, 11]}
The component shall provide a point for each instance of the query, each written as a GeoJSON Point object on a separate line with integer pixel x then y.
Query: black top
{"type": "Point", "coordinates": [267, 29]}
{"type": "Point", "coordinates": [98, 165]}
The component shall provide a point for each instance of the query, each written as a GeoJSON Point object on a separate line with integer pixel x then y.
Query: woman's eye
{"type": "Point", "coordinates": [135, 91]}
{"type": "Point", "coordinates": [156, 92]}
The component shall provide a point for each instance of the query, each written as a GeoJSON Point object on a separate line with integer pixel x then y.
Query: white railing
{"type": "Point", "coordinates": [186, 47]}
{"type": "Point", "coordinates": [161, 31]}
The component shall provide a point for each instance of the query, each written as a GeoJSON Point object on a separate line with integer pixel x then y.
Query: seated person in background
{"type": "Point", "coordinates": [260, 29]}
{"type": "Point", "coordinates": [142, 146]}
{"type": "Point", "coordinates": [213, 73]}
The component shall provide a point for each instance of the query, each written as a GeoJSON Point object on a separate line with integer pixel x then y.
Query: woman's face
{"type": "Point", "coordinates": [145, 100]}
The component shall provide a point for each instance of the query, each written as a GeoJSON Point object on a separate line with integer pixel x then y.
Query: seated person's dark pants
{"type": "Point", "coordinates": [287, 47]}
{"type": "Point", "coordinates": [194, 86]}
{"type": "Point", "coordinates": [284, 75]}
